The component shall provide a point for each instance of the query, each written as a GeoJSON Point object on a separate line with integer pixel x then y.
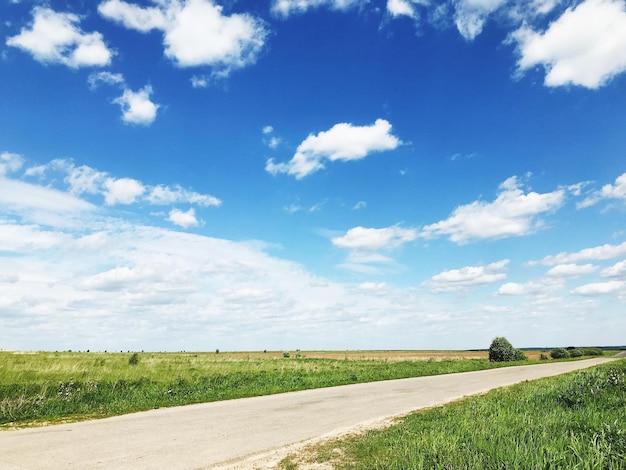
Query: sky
{"type": "Point", "coordinates": [192, 175]}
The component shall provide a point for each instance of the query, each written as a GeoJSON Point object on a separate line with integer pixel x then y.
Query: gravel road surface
{"type": "Point", "coordinates": [232, 434]}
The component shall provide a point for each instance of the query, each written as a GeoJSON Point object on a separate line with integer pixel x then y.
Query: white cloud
{"type": "Point", "coordinates": [96, 78]}
{"type": "Point", "coordinates": [267, 130]}
{"type": "Point", "coordinates": [597, 253]}
{"type": "Point", "coordinates": [195, 32]}
{"type": "Point", "coordinates": [137, 108]}
{"type": "Point", "coordinates": [86, 180]}
{"type": "Point", "coordinates": [539, 288]}
{"type": "Point", "coordinates": [184, 219]}
{"type": "Point", "coordinates": [469, 276]}
{"type": "Point", "coordinates": [56, 38]}
{"type": "Point", "coordinates": [400, 8]}
{"type": "Point", "coordinates": [361, 238]}
{"type": "Point", "coordinates": [10, 162]}
{"type": "Point", "coordinates": [133, 16]}
{"type": "Point", "coordinates": [162, 195]}
{"type": "Point", "coordinates": [615, 191]}
{"type": "Point", "coordinates": [42, 205]}
{"type": "Point", "coordinates": [601, 288]}
{"type": "Point", "coordinates": [471, 15]}
{"type": "Point", "coordinates": [617, 270]}
{"type": "Point", "coordinates": [513, 213]}
{"type": "Point", "coordinates": [359, 205]}
{"type": "Point", "coordinates": [342, 142]}
{"type": "Point", "coordinates": [122, 190]}
{"type": "Point", "coordinates": [571, 270]}
{"type": "Point", "coordinates": [586, 46]}
{"type": "Point", "coordinates": [286, 8]}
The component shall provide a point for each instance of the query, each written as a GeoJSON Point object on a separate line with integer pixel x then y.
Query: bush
{"type": "Point", "coordinates": [559, 353]}
{"type": "Point", "coordinates": [503, 351]}
{"type": "Point", "coordinates": [543, 357]}
{"type": "Point", "coordinates": [576, 353]}
{"type": "Point", "coordinates": [593, 352]}
{"type": "Point", "coordinates": [134, 359]}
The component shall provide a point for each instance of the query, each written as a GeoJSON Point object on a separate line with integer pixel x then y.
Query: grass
{"type": "Point", "coordinates": [46, 387]}
{"type": "Point", "coordinates": [574, 421]}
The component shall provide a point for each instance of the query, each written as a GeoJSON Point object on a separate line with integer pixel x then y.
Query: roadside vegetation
{"type": "Point", "coordinates": [51, 387]}
{"type": "Point", "coordinates": [573, 421]}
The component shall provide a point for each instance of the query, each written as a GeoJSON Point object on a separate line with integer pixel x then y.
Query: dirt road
{"type": "Point", "coordinates": [233, 434]}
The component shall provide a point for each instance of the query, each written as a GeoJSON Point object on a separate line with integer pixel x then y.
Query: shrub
{"type": "Point", "coordinates": [503, 351]}
{"type": "Point", "coordinates": [576, 353]}
{"type": "Point", "coordinates": [286, 354]}
{"type": "Point", "coordinates": [559, 353]}
{"type": "Point", "coordinates": [593, 352]}
{"type": "Point", "coordinates": [543, 357]}
{"type": "Point", "coordinates": [134, 359]}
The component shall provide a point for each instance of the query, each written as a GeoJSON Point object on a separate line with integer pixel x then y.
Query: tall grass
{"type": "Point", "coordinates": [43, 387]}
{"type": "Point", "coordinates": [575, 421]}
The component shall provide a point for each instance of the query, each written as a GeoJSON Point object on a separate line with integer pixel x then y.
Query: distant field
{"type": "Point", "coordinates": [43, 387]}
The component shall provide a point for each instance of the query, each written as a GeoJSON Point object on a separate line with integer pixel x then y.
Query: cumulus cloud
{"type": "Point", "coordinates": [285, 8]}
{"type": "Point", "coordinates": [362, 238]}
{"type": "Point", "coordinates": [196, 33]}
{"type": "Point", "coordinates": [540, 288]}
{"type": "Point", "coordinates": [122, 191]}
{"type": "Point", "coordinates": [184, 219]}
{"type": "Point", "coordinates": [365, 246]}
{"type": "Point", "coordinates": [57, 38]}
{"type": "Point", "coordinates": [571, 270]}
{"type": "Point", "coordinates": [459, 279]}
{"type": "Point", "coordinates": [608, 191]}
{"type": "Point", "coordinates": [401, 8]}
{"type": "Point", "coordinates": [86, 180]}
{"type": "Point", "coordinates": [343, 142]}
{"type": "Point", "coordinates": [586, 46]}
{"type": "Point", "coordinates": [513, 213]}
{"type": "Point", "coordinates": [596, 253]}
{"type": "Point", "coordinates": [137, 108]}
{"type": "Point", "coordinates": [601, 288]}
{"type": "Point", "coordinates": [617, 270]}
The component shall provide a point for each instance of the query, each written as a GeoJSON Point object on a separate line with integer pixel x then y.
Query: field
{"type": "Point", "coordinates": [574, 421]}
{"type": "Point", "coordinates": [38, 388]}
{"type": "Point", "coordinates": [50, 387]}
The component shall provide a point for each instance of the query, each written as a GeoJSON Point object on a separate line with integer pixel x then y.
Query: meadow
{"type": "Point", "coordinates": [39, 388]}
{"type": "Point", "coordinates": [51, 387]}
{"type": "Point", "coordinates": [573, 421]}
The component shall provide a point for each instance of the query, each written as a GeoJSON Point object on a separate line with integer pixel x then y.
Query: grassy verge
{"type": "Point", "coordinates": [53, 387]}
{"type": "Point", "coordinates": [574, 421]}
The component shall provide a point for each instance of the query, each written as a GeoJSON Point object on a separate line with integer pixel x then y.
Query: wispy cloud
{"type": "Point", "coordinates": [285, 8]}
{"type": "Point", "coordinates": [456, 280]}
{"type": "Point", "coordinates": [602, 252]}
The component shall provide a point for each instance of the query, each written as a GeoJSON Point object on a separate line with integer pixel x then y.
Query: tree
{"type": "Point", "coordinates": [503, 351]}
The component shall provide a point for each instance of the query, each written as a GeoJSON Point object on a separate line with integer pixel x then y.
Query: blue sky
{"type": "Point", "coordinates": [313, 174]}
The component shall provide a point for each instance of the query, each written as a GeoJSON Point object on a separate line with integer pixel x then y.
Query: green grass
{"type": "Point", "coordinates": [53, 387]}
{"type": "Point", "coordinates": [574, 421]}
